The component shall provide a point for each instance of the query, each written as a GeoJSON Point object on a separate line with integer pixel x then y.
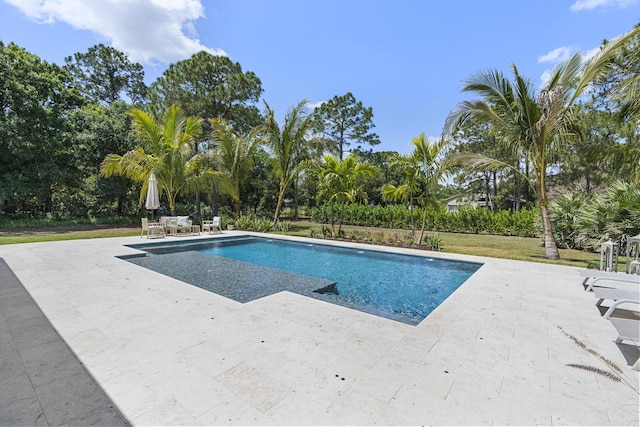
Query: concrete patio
{"type": "Point", "coordinates": [168, 353]}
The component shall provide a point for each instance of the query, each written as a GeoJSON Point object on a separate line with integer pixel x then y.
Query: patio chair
{"type": "Point", "coordinates": [598, 275]}
{"type": "Point", "coordinates": [211, 225]}
{"type": "Point", "coordinates": [151, 228]}
{"type": "Point", "coordinates": [180, 224]}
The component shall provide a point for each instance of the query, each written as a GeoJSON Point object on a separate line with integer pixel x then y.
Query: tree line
{"type": "Point", "coordinates": [81, 139]}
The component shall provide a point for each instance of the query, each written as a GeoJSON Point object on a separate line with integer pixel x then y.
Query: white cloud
{"type": "Point", "coordinates": [592, 4]}
{"type": "Point", "coordinates": [557, 55]}
{"type": "Point", "coordinates": [147, 31]}
{"type": "Point", "coordinates": [590, 53]}
{"type": "Point", "coordinates": [313, 106]}
{"type": "Point", "coordinates": [545, 77]}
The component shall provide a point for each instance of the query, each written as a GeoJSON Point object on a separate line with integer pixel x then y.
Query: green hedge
{"type": "Point", "coordinates": [523, 223]}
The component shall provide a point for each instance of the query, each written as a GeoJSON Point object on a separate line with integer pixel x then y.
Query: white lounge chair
{"type": "Point", "coordinates": [628, 330]}
{"type": "Point", "coordinates": [598, 275]}
{"type": "Point", "coordinates": [612, 308]}
{"type": "Point", "coordinates": [619, 296]}
{"type": "Point", "coordinates": [211, 226]}
{"type": "Point", "coordinates": [151, 228]}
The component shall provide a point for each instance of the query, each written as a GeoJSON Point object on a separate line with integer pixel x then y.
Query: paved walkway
{"type": "Point", "coordinates": [41, 381]}
{"type": "Point", "coordinates": [167, 353]}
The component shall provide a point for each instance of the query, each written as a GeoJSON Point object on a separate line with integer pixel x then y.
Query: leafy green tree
{"type": "Point", "coordinates": [386, 172]}
{"type": "Point", "coordinates": [620, 80]}
{"type": "Point", "coordinates": [98, 131]}
{"type": "Point", "coordinates": [260, 189]}
{"type": "Point", "coordinates": [105, 75]}
{"type": "Point", "coordinates": [166, 149]}
{"type": "Point", "coordinates": [340, 182]}
{"type": "Point", "coordinates": [343, 121]}
{"type": "Point", "coordinates": [110, 83]}
{"type": "Point", "coordinates": [290, 147]}
{"type": "Point", "coordinates": [36, 151]}
{"type": "Point", "coordinates": [615, 105]}
{"type": "Point", "coordinates": [209, 87]}
{"type": "Point", "coordinates": [588, 163]}
{"type": "Point", "coordinates": [236, 154]}
{"type": "Point", "coordinates": [535, 124]}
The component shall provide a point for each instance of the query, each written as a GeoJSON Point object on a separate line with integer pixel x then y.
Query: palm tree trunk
{"type": "Point", "coordinates": [413, 227]}
{"type": "Point", "coordinates": [276, 217]}
{"type": "Point", "coordinates": [516, 194]}
{"type": "Point", "coordinates": [424, 223]}
{"type": "Point", "coordinates": [550, 247]}
{"type": "Point", "coordinates": [237, 199]}
{"type": "Point", "coordinates": [214, 201]}
{"type": "Point", "coordinates": [172, 205]}
{"type": "Point", "coordinates": [295, 199]}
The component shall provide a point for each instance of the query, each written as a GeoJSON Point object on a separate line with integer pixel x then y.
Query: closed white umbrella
{"type": "Point", "coordinates": [153, 201]}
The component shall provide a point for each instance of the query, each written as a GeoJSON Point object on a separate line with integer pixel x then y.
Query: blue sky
{"type": "Point", "coordinates": [404, 58]}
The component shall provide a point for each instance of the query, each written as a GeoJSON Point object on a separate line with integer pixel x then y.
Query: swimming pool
{"type": "Point", "coordinates": [401, 287]}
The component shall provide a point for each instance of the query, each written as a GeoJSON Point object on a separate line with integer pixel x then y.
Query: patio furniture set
{"type": "Point", "coordinates": [175, 225]}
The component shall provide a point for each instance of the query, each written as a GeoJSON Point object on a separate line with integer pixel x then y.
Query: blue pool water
{"type": "Point", "coordinates": [402, 287]}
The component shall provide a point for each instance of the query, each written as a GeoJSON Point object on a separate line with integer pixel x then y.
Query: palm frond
{"type": "Point", "coordinates": [599, 61]}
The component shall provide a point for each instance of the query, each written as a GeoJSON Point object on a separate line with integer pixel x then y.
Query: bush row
{"type": "Point", "coordinates": [523, 223]}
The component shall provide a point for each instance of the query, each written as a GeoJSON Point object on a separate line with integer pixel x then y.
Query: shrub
{"type": "Point", "coordinates": [470, 220]}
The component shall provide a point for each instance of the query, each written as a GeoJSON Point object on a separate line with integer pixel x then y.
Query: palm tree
{"type": "Point", "coordinates": [290, 147]}
{"type": "Point", "coordinates": [534, 125]}
{"type": "Point", "coordinates": [236, 154]}
{"type": "Point", "coordinates": [405, 192]}
{"type": "Point", "coordinates": [339, 182]}
{"type": "Point", "coordinates": [166, 149]}
{"type": "Point", "coordinates": [424, 169]}
{"type": "Point", "coordinates": [429, 157]}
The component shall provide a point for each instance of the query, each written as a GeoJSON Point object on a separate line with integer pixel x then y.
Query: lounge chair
{"type": "Point", "coordinates": [211, 226]}
{"type": "Point", "coordinates": [598, 275]}
{"type": "Point", "coordinates": [628, 330]}
{"type": "Point", "coordinates": [151, 228]}
{"type": "Point", "coordinates": [616, 295]}
{"type": "Point", "coordinates": [616, 303]}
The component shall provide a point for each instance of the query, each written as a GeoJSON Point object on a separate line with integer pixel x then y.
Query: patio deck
{"type": "Point", "coordinates": [167, 353]}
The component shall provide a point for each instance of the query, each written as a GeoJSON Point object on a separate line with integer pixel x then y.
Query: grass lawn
{"type": "Point", "coordinates": [517, 248]}
{"type": "Point", "coordinates": [509, 247]}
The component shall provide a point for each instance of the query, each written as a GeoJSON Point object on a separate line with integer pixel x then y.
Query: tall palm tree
{"type": "Point", "coordinates": [166, 149]}
{"type": "Point", "coordinates": [339, 182]}
{"type": "Point", "coordinates": [290, 146]}
{"type": "Point", "coordinates": [236, 154]}
{"type": "Point", "coordinates": [533, 124]}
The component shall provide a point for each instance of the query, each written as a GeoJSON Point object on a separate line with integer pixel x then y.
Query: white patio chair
{"type": "Point", "coordinates": [151, 228]}
{"type": "Point", "coordinates": [211, 225]}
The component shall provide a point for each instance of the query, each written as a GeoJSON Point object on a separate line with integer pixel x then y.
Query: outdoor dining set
{"type": "Point", "coordinates": [175, 225]}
